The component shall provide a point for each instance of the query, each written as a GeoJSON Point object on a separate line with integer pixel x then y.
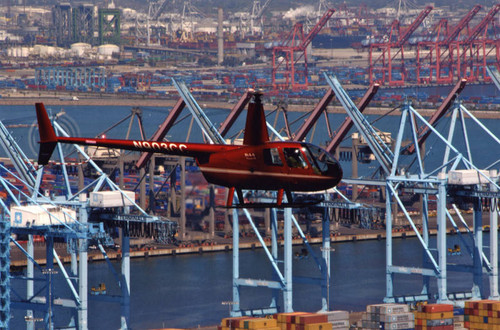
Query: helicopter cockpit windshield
{"type": "Point", "coordinates": [319, 158]}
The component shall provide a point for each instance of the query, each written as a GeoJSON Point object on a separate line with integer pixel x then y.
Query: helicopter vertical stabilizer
{"type": "Point", "coordinates": [255, 127]}
{"type": "Point", "coordinates": [48, 138]}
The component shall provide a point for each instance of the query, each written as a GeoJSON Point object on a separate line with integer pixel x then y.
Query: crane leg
{"type": "Point", "coordinates": [279, 197]}
{"type": "Point", "coordinates": [230, 196]}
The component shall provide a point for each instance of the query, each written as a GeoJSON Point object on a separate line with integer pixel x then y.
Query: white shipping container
{"type": "Point", "coordinates": [398, 325]}
{"type": "Point", "coordinates": [400, 317]}
{"type": "Point", "coordinates": [35, 216]}
{"type": "Point", "coordinates": [387, 308]}
{"type": "Point", "coordinates": [467, 177]}
{"type": "Point", "coordinates": [336, 315]}
{"type": "Point", "coordinates": [393, 309]}
{"type": "Point", "coordinates": [340, 324]}
{"type": "Point", "coordinates": [111, 198]}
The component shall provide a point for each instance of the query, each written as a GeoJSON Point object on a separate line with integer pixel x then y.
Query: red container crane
{"type": "Point", "coordinates": [391, 60]}
{"type": "Point", "coordinates": [292, 50]}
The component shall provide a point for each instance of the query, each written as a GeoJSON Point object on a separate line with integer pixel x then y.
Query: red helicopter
{"type": "Point", "coordinates": [258, 164]}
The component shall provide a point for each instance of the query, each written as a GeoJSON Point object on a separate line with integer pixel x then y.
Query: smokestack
{"type": "Point", "coordinates": [220, 39]}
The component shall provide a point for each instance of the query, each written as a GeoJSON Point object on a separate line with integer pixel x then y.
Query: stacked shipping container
{"type": "Point", "coordinates": [434, 317]}
{"type": "Point", "coordinates": [388, 316]}
{"type": "Point", "coordinates": [482, 314]}
{"type": "Point", "coordinates": [334, 320]}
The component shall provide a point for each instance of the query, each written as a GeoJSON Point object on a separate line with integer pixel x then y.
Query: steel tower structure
{"type": "Point", "coordinates": [84, 24]}
{"type": "Point", "coordinates": [62, 21]}
{"type": "Point", "coordinates": [109, 26]}
{"type": "Point", "coordinates": [76, 231]}
{"type": "Point", "coordinates": [440, 183]}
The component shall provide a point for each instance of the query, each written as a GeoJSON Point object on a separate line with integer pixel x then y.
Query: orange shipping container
{"type": "Point", "coordinates": [437, 308]}
{"type": "Point", "coordinates": [258, 323]}
{"type": "Point", "coordinates": [438, 316]}
{"type": "Point", "coordinates": [288, 317]}
{"type": "Point", "coordinates": [234, 322]}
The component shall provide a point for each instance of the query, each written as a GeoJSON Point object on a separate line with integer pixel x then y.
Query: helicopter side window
{"type": "Point", "coordinates": [294, 158]}
{"type": "Point", "coordinates": [272, 157]}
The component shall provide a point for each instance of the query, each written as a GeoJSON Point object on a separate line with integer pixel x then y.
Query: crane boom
{"type": "Point", "coordinates": [235, 112]}
{"type": "Point", "coordinates": [315, 30]}
{"type": "Point", "coordinates": [348, 123]}
{"type": "Point", "coordinates": [156, 8]}
{"type": "Point", "coordinates": [382, 152]}
{"type": "Point", "coordinates": [262, 9]}
{"type": "Point", "coordinates": [311, 120]}
{"type": "Point", "coordinates": [424, 131]}
{"type": "Point", "coordinates": [414, 26]}
{"type": "Point", "coordinates": [461, 25]}
{"type": "Point", "coordinates": [162, 131]}
{"type": "Point", "coordinates": [494, 74]}
{"type": "Point", "coordinates": [482, 25]}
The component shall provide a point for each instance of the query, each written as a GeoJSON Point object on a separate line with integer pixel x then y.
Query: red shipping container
{"type": "Point", "coordinates": [289, 317]}
{"type": "Point", "coordinates": [311, 319]}
{"type": "Point", "coordinates": [295, 318]}
{"type": "Point", "coordinates": [441, 327]}
{"type": "Point", "coordinates": [437, 308]}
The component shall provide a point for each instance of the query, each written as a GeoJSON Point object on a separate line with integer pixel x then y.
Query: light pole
{"type": "Point", "coordinates": [50, 272]}
{"type": "Point", "coordinates": [229, 304]}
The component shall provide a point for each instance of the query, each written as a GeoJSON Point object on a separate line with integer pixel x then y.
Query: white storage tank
{"type": "Point", "coordinates": [80, 48]}
{"type": "Point", "coordinates": [18, 52]}
{"type": "Point", "coordinates": [36, 216]}
{"type": "Point", "coordinates": [111, 198]}
{"type": "Point", "coordinates": [108, 50]}
{"type": "Point", "coordinates": [45, 51]}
